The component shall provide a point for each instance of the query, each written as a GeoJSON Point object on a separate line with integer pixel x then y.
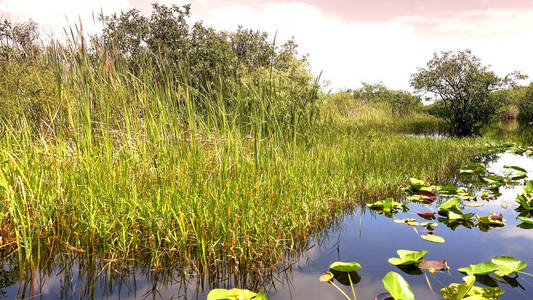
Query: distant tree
{"type": "Point", "coordinates": [18, 39]}
{"type": "Point", "coordinates": [400, 102]}
{"type": "Point", "coordinates": [525, 105]}
{"type": "Point", "coordinates": [463, 86]}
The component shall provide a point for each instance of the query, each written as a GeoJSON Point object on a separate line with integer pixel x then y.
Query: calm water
{"type": "Point", "coordinates": [362, 236]}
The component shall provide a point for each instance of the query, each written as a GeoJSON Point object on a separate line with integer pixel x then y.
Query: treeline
{"type": "Point", "coordinates": [242, 77]}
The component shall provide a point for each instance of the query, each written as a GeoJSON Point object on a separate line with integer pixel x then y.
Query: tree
{"type": "Point", "coordinates": [463, 85]}
{"type": "Point", "coordinates": [525, 105]}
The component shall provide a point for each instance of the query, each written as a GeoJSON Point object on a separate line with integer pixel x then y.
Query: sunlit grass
{"type": "Point", "coordinates": [124, 168]}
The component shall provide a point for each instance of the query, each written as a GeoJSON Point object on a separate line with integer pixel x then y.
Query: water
{"type": "Point", "coordinates": [361, 236]}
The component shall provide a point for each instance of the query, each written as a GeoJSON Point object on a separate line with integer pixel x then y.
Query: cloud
{"type": "Point", "coordinates": [350, 41]}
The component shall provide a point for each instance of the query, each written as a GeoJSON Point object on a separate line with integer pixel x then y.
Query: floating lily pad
{"type": "Point", "coordinates": [345, 266]}
{"type": "Point", "coordinates": [235, 294]}
{"type": "Point", "coordinates": [508, 265]}
{"type": "Point", "coordinates": [433, 264]}
{"type": "Point", "coordinates": [398, 287]}
{"type": "Point", "coordinates": [407, 257]}
{"type": "Point", "coordinates": [433, 238]}
{"type": "Point", "coordinates": [484, 268]}
{"type": "Point", "coordinates": [426, 215]}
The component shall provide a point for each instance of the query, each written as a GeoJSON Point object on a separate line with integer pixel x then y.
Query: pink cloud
{"type": "Point", "coordinates": [364, 10]}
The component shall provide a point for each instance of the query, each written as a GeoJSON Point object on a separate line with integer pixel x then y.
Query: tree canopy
{"type": "Point", "coordinates": [463, 85]}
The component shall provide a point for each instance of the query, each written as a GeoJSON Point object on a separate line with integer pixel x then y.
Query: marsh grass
{"type": "Point", "coordinates": [146, 167]}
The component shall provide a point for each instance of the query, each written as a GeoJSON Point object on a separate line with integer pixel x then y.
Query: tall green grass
{"type": "Point", "coordinates": [144, 166]}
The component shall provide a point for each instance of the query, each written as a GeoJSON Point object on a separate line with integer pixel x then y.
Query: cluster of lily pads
{"type": "Point", "coordinates": [411, 261]}
{"type": "Point", "coordinates": [450, 213]}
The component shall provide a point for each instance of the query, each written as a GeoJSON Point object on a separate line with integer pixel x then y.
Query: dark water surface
{"type": "Point", "coordinates": [362, 236]}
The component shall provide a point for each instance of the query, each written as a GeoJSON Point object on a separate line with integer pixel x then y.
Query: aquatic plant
{"type": "Point", "coordinates": [341, 271]}
{"type": "Point", "coordinates": [397, 286]}
{"type": "Point", "coordinates": [235, 294]}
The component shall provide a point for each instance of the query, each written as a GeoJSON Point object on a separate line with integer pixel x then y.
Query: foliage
{"type": "Point", "coordinates": [398, 287]}
{"type": "Point", "coordinates": [463, 86]}
{"type": "Point", "coordinates": [400, 102]}
{"type": "Point", "coordinates": [525, 104]}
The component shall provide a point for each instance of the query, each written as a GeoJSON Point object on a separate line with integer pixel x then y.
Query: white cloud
{"type": "Point", "coordinates": [347, 52]}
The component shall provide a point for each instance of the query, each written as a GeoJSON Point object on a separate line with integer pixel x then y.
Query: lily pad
{"type": "Point", "coordinates": [344, 266]}
{"type": "Point", "coordinates": [407, 257]}
{"type": "Point", "coordinates": [483, 268]}
{"type": "Point", "coordinates": [508, 265]}
{"type": "Point", "coordinates": [433, 238]}
{"type": "Point", "coordinates": [235, 294]}
{"type": "Point", "coordinates": [456, 291]}
{"type": "Point", "coordinates": [433, 265]}
{"type": "Point", "coordinates": [398, 287]}
{"type": "Point", "coordinates": [426, 215]}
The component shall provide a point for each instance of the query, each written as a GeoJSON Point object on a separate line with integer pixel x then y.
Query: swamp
{"type": "Point", "coordinates": [161, 159]}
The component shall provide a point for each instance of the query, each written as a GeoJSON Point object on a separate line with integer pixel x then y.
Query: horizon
{"type": "Point", "coordinates": [348, 41]}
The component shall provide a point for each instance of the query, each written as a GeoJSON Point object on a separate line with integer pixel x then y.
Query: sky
{"type": "Point", "coordinates": [348, 41]}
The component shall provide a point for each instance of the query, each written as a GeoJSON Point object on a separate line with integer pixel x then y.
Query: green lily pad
{"type": "Point", "coordinates": [433, 238]}
{"type": "Point", "coordinates": [508, 265]}
{"type": "Point", "coordinates": [407, 257]}
{"type": "Point", "coordinates": [398, 287]}
{"type": "Point", "coordinates": [345, 266]}
{"type": "Point", "coordinates": [483, 268]}
{"type": "Point", "coordinates": [456, 291]}
{"type": "Point", "coordinates": [235, 294]}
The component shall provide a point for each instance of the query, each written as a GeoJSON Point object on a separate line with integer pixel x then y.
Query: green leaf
{"type": "Point", "coordinates": [452, 204]}
{"type": "Point", "coordinates": [396, 285]}
{"type": "Point", "coordinates": [508, 265]}
{"type": "Point", "coordinates": [483, 268]}
{"type": "Point", "coordinates": [456, 291]}
{"type": "Point", "coordinates": [433, 238]}
{"type": "Point", "coordinates": [344, 266]}
{"type": "Point", "coordinates": [526, 220]}
{"type": "Point", "coordinates": [407, 257]}
{"type": "Point", "coordinates": [235, 294]}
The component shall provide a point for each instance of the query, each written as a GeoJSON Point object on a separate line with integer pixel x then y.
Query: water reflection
{"type": "Point", "coordinates": [361, 236]}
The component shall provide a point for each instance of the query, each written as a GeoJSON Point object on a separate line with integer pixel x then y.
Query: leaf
{"type": "Point", "coordinates": [426, 215]}
{"type": "Point", "coordinates": [433, 238]}
{"type": "Point", "coordinates": [483, 268]}
{"type": "Point", "coordinates": [234, 294]}
{"type": "Point", "coordinates": [427, 196]}
{"type": "Point", "coordinates": [396, 285]}
{"type": "Point", "coordinates": [516, 168]}
{"type": "Point", "coordinates": [457, 291]}
{"type": "Point", "coordinates": [433, 264]}
{"type": "Point", "coordinates": [451, 204]}
{"type": "Point", "coordinates": [508, 265]}
{"type": "Point", "coordinates": [344, 266]}
{"type": "Point", "coordinates": [407, 257]}
{"type": "Point", "coordinates": [526, 220]}
{"type": "Point", "coordinates": [474, 204]}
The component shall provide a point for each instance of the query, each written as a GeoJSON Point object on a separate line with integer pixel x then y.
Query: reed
{"type": "Point", "coordinates": [147, 166]}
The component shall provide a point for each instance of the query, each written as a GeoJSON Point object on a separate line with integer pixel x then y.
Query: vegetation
{"type": "Point", "coordinates": [174, 144]}
{"type": "Point", "coordinates": [463, 86]}
{"type": "Point", "coordinates": [123, 152]}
